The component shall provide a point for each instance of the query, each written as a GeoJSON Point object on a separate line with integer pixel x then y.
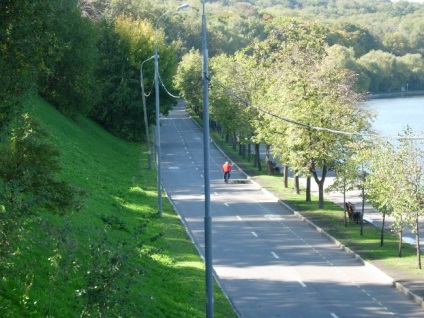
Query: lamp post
{"type": "Point", "coordinates": [158, 150]}
{"type": "Point", "coordinates": [146, 124]}
{"type": "Point", "coordinates": [208, 215]}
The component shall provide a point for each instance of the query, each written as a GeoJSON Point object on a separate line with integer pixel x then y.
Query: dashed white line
{"type": "Point", "coordinates": [301, 283]}
{"type": "Point", "coordinates": [275, 255]}
{"type": "Point", "coordinates": [254, 234]}
{"type": "Point", "coordinates": [333, 315]}
{"type": "Point", "coordinates": [238, 218]}
{"type": "Point", "coordinates": [226, 204]}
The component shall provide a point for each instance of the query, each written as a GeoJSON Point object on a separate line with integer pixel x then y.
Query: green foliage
{"type": "Point", "coordinates": [68, 78]}
{"type": "Point", "coordinates": [28, 167]}
{"type": "Point", "coordinates": [124, 43]}
{"type": "Point", "coordinates": [352, 36]}
{"type": "Point", "coordinates": [22, 47]}
{"type": "Point", "coordinates": [389, 73]}
{"type": "Point", "coordinates": [188, 80]}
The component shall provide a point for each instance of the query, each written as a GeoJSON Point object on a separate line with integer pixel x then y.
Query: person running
{"type": "Point", "coordinates": [226, 169]}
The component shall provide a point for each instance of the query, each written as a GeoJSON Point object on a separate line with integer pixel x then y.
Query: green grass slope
{"type": "Point", "coordinates": [114, 257]}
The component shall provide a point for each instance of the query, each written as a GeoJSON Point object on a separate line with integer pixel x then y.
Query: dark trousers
{"type": "Point", "coordinates": [227, 175]}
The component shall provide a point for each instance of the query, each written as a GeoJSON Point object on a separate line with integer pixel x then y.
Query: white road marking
{"type": "Point", "coordinates": [216, 193]}
{"type": "Point", "coordinates": [301, 283]}
{"type": "Point", "coordinates": [273, 217]}
{"type": "Point", "coordinates": [226, 204]}
{"type": "Point", "coordinates": [254, 234]}
{"type": "Point", "coordinates": [238, 218]}
{"type": "Point", "coordinates": [333, 315]}
{"type": "Point", "coordinates": [275, 255]}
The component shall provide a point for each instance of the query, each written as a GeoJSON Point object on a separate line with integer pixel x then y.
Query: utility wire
{"type": "Point", "coordinates": [163, 85]}
{"type": "Point", "coordinates": [230, 92]}
{"type": "Point", "coordinates": [151, 89]}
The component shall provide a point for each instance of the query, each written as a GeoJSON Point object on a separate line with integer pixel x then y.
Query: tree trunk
{"type": "Point", "coordinates": [382, 230]}
{"type": "Point", "coordinates": [417, 239]}
{"type": "Point", "coordinates": [320, 184]}
{"type": "Point", "coordinates": [267, 153]}
{"type": "Point", "coordinates": [286, 176]}
{"type": "Point", "coordinates": [296, 184]}
{"type": "Point", "coordinates": [249, 152]}
{"type": "Point", "coordinates": [400, 243]}
{"type": "Point", "coordinates": [363, 209]}
{"type": "Point", "coordinates": [258, 157]}
{"type": "Point", "coordinates": [308, 189]}
{"type": "Point", "coordinates": [344, 205]}
{"type": "Point", "coordinates": [234, 141]}
{"type": "Point", "coordinates": [321, 194]}
{"type": "Point", "coordinates": [400, 237]}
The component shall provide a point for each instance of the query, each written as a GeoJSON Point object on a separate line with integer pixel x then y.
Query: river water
{"type": "Point", "coordinates": [394, 114]}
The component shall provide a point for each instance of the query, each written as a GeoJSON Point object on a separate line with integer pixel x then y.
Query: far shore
{"type": "Point", "coordinates": [396, 94]}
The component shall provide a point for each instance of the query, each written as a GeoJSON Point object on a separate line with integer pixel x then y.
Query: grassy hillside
{"type": "Point", "coordinates": [114, 257]}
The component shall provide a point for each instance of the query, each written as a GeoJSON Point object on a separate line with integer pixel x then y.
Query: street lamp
{"type": "Point", "coordinates": [146, 124]}
{"type": "Point", "coordinates": [158, 152]}
{"type": "Point", "coordinates": [206, 151]}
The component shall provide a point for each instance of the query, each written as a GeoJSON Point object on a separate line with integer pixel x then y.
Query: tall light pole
{"type": "Point", "coordinates": [208, 216]}
{"type": "Point", "coordinates": [158, 150]}
{"type": "Point", "coordinates": [146, 124]}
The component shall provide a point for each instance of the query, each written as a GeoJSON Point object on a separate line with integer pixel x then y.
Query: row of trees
{"type": "Point", "coordinates": [293, 92]}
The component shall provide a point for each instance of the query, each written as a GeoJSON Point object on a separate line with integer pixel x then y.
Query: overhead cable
{"type": "Point", "coordinates": [163, 85]}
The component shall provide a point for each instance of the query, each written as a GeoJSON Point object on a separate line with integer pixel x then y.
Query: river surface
{"type": "Point", "coordinates": [394, 114]}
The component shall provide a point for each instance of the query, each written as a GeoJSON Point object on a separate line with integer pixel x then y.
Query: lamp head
{"type": "Point", "coordinates": [183, 7]}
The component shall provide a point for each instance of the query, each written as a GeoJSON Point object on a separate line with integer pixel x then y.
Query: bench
{"type": "Point", "coordinates": [272, 167]}
{"type": "Point", "coordinates": [353, 215]}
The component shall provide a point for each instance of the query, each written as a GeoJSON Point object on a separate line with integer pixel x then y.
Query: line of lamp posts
{"type": "Point", "coordinates": [208, 217]}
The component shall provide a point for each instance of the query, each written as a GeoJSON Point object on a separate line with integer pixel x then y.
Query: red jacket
{"type": "Point", "coordinates": [226, 167]}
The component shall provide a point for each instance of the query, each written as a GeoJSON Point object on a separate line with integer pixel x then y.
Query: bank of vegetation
{"type": "Point", "coordinates": [305, 61]}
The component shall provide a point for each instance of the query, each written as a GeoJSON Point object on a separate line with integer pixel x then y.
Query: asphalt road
{"type": "Point", "coordinates": [268, 262]}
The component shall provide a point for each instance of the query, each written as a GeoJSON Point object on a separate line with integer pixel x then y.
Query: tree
{"type": "Point", "coordinates": [236, 82]}
{"type": "Point", "coordinates": [347, 173]}
{"type": "Point", "coordinates": [411, 190]}
{"type": "Point", "coordinates": [188, 80]}
{"type": "Point", "coordinates": [314, 91]}
{"type": "Point", "coordinates": [68, 80]}
{"type": "Point", "coordinates": [384, 70]}
{"type": "Point", "coordinates": [124, 43]}
{"type": "Point", "coordinates": [384, 183]}
{"type": "Point", "coordinates": [352, 36]}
